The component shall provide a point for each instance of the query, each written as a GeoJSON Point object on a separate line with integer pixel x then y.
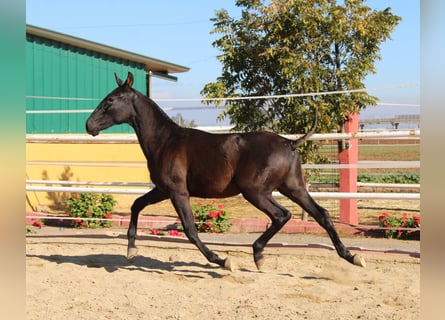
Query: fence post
{"type": "Point", "coordinates": [348, 154]}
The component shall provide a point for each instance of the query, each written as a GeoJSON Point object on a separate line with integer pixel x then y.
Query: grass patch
{"type": "Point", "coordinates": [389, 152]}
{"type": "Point", "coordinates": [382, 152]}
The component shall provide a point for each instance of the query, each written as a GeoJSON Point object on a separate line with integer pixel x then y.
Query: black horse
{"type": "Point", "coordinates": [185, 162]}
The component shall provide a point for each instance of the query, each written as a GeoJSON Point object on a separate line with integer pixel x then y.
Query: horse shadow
{"type": "Point", "coordinates": [115, 262]}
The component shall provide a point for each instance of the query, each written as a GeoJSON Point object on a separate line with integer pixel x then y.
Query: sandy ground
{"type": "Point", "coordinates": [86, 276]}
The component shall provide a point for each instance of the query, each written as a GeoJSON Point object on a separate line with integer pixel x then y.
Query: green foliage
{"type": "Point", "coordinates": [85, 206]}
{"type": "Point", "coordinates": [179, 119]}
{"type": "Point", "coordinates": [287, 47]}
{"type": "Point", "coordinates": [402, 178]}
{"type": "Point", "coordinates": [407, 178]}
{"type": "Point", "coordinates": [398, 227]}
{"type": "Point", "coordinates": [210, 217]}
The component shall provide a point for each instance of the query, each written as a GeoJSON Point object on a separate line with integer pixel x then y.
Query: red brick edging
{"type": "Point", "coordinates": [238, 225]}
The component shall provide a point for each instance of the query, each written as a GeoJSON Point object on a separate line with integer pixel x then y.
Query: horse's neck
{"type": "Point", "coordinates": [152, 125]}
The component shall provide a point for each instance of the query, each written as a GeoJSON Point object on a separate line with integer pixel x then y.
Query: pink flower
{"type": "Point", "coordinates": [173, 233]}
{"type": "Point", "coordinates": [88, 213]}
{"type": "Point", "coordinates": [107, 215]}
{"type": "Point", "coordinates": [154, 231]}
{"type": "Point", "coordinates": [74, 196]}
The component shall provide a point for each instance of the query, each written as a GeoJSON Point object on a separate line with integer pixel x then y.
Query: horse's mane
{"type": "Point", "coordinates": [155, 107]}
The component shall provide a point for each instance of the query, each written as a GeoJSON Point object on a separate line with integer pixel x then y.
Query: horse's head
{"type": "Point", "coordinates": [115, 108]}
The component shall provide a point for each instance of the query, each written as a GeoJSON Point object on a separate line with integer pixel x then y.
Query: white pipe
{"type": "Point", "coordinates": [64, 163]}
{"type": "Point", "coordinates": [87, 189]}
{"type": "Point", "coordinates": [56, 138]}
{"type": "Point", "coordinates": [365, 164]}
{"type": "Point", "coordinates": [319, 195]}
{"type": "Point", "coordinates": [389, 185]}
{"type": "Point", "coordinates": [90, 183]}
{"type": "Point", "coordinates": [361, 135]}
{"type": "Point", "coordinates": [143, 164]}
{"type": "Point", "coordinates": [149, 184]}
{"type": "Point", "coordinates": [131, 138]}
{"type": "Point", "coordinates": [364, 195]}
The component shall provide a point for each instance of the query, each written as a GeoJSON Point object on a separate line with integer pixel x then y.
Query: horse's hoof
{"type": "Point", "coordinates": [359, 261]}
{"type": "Point", "coordinates": [228, 265]}
{"type": "Point", "coordinates": [131, 253]}
{"type": "Point", "coordinates": [259, 262]}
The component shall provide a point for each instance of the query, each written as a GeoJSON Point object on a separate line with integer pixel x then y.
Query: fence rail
{"type": "Point", "coordinates": [131, 138]}
{"type": "Point", "coordinates": [143, 164]}
{"type": "Point", "coordinates": [149, 184]}
{"type": "Point", "coordinates": [141, 188]}
{"type": "Point", "coordinates": [317, 195]}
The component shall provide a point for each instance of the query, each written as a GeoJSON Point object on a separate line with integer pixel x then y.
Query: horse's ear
{"type": "Point", "coordinates": [118, 81]}
{"type": "Point", "coordinates": [129, 80]}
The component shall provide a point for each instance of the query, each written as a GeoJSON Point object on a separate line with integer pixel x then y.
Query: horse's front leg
{"type": "Point", "coordinates": [154, 196]}
{"type": "Point", "coordinates": [182, 207]}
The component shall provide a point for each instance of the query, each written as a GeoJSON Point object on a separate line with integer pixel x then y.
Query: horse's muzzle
{"type": "Point", "coordinates": [92, 131]}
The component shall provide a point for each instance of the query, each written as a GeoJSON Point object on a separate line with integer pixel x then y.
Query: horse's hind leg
{"type": "Point", "coordinates": [303, 198]}
{"type": "Point", "coordinates": [276, 213]}
{"type": "Point", "coordinates": [182, 207]}
{"type": "Point", "coordinates": [140, 203]}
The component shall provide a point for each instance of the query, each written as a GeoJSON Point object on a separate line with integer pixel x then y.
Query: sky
{"type": "Point", "coordinates": [179, 32]}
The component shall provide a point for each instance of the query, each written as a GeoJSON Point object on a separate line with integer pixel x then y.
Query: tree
{"type": "Point", "coordinates": [282, 47]}
{"type": "Point", "coordinates": [179, 119]}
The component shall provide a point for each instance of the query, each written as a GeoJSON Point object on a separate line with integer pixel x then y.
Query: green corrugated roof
{"type": "Point", "coordinates": [151, 64]}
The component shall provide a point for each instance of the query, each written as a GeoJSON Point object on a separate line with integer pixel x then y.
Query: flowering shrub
{"type": "Point", "coordinates": [37, 224]}
{"type": "Point", "coordinates": [170, 232]}
{"type": "Point", "coordinates": [397, 226]}
{"type": "Point", "coordinates": [210, 217]}
{"type": "Point", "coordinates": [87, 207]}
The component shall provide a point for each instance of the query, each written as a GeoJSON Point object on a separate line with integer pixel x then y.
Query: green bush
{"type": "Point", "coordinates": [91, 210]}
{"type": "Point", "coordinates": [398, 227]}
{"type": "Point", "coordinates": [210, 217]}
{"type": "Point", "coordinates": [404, 178]}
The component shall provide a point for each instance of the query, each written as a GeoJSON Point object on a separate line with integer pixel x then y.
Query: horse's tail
{"type": "Point", "coordinates": [301, 140]}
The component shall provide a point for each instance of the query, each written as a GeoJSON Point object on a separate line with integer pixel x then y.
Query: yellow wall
{"type": "Point", "coordinates": [78, 162]}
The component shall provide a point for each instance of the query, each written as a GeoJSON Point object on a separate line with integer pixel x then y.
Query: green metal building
{"type": "Point", "coordinates": [68, 76]}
